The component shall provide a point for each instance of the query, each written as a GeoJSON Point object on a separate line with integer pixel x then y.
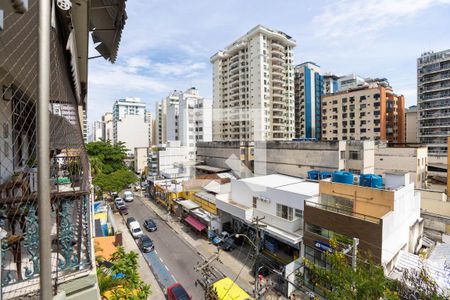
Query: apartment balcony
{"type": "Point", "coordinates": [435, 124]}
{"type": "Point", "coordinates": [277, 87]}
{"type": "Point", "coordinates": [278, 71]}
{"type": "Point", "coordinates": [433, 79]}
{"type": "Point", "coordinates": [276, 45]}
{"type": "Point", "coordinates": [278, 59]}
{"type": "Point", "coordinates": [278, 81]}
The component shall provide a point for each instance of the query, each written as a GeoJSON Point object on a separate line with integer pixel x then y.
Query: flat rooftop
{"type": "Point", "coordinates": [286, 183]}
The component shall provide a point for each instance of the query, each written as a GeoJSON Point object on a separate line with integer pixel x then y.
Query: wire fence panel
{"type": "Point", "coordinates": [69, 176]}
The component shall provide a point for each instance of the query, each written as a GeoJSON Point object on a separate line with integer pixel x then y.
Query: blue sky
{"type": "Point", "coordinates": [166, 45]}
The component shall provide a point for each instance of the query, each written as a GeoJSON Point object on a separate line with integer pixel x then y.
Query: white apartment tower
{"type": "Point", "coordinates": [107, 126]}
{"type": "Point", "coordinates": [97, 131]}
{"type": "Point", "coordinates": [433, 101]}
{"type": "Point", "coordinates": [161, 119]}
{"type": "Point", "coordinates": [253, 88]}
{"type": "Point", "coordinates": [194, 120]}
{"type": "Point", "coordinates": [129, 124]}
{"type": "Point", "coordinates": [149, 121]}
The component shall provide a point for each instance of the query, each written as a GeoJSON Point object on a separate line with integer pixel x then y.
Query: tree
{"type": "Point", "coordinates": [115, 181]}
{"type": "Point", "coordinates": [111, 156]}
{"type": "Point", "coordinates": [122, 280]}
{"type": "Point", "coordinates": [367, 281]}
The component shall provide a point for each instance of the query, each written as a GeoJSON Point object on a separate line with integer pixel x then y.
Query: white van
{"type": "Point", "coordinates": [128, 196]}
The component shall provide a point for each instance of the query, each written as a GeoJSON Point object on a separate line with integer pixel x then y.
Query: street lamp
{"type": "Point", "coordinates": [257, 254]}
{"type": "Point", "coordinates": [239, 235]}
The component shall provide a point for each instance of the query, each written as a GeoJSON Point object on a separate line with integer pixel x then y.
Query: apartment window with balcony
{"type": "Point", "coordinates": [285, 212]}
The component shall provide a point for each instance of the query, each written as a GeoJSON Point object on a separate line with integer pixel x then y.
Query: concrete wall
{"type": "Point", "coordinates": [133, 131]}
{"type": "Point", "coordinates": [411, 126]}
{"type": "Point", "coordinates": [140, 159]}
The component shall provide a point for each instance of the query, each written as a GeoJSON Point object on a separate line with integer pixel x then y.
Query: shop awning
{"type": "Point", "coordinates": [188, 204]}
{"type": "Point", "coordinates": [195, 223]}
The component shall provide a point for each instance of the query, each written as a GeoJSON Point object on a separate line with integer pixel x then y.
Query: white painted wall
{"type": "Point", "coordinates": [133, 131]}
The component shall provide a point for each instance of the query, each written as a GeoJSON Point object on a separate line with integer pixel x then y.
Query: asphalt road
{"type": "Point", "coordinates": [173, 259]}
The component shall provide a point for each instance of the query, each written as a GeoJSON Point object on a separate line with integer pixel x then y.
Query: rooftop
{"type": "Point", "coordinates": [273, 180]}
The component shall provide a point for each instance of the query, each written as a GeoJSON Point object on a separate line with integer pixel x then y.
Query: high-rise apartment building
{"type": "Point", "coordinates": [107, 126]}
{"type": "Point", "coordinates": [365, 111]}
{"type": "Point", "coordinates": [97, 131]}
{"type": "Point", "coordinates": [161, 110]}
{"type": "Point", "coordinates": [253, 87]}
{"type": "Point", "coordinates": [129, 124]}
{"type": "Point", "coordinates": [411, 124]}
{"type": "Point", "coordinates": [149, 121]}
{"type": "Point", "coordinates": [308, 91]}
{"type": "Point", "coordinates": [330, 83]}
{"type": "Point", "coordinates": [433, 100]}
{"type": "Point", "coordinates": [195, 119]}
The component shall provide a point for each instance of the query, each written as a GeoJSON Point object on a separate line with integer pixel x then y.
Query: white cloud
{"type": "Point", "coordinates": [348, 18]}
{"type": "Point", "coordinates": [180, 68]}
{"type": "Point", "coordinates": [138, 62]}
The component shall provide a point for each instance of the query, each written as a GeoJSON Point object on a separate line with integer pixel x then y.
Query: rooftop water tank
{"type": "Point", "coordinates": [342, 177]}
{"type": "Point", "coordinates": [325, 174]}
{"type": "Point", "coordinates": [313, 174]}
{"type": "Point", "coordinates": [371, 180]}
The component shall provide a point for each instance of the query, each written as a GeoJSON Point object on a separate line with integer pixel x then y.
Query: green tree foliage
{"type": "Point", "coordinates": [107, 166]}
{"type": "Point", "coordinates": [115, 181]}
{"type": "Point", "coordinates": [367, 281]}
{"type": "Point", "coordinates": [107, 157]}
{"type": "Point", "coordinates": [130, 285]}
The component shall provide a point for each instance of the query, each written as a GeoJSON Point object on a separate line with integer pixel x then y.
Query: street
{"type": "Point", "coordinates": [173, 260]}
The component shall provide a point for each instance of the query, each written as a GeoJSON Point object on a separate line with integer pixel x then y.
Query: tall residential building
{"type": "Point", "coordinates": [161, 110]}
{"type": "Point", "coordinates": [330, 83]}
{"type": "Point", "coordinates": [107, 124]}
{"type": "Point", "coordinates": [129, 124]}
{"type": "Point", "coordinates": [195, 119]}
{"type": "Point", "coordinates": [369, 111]}
{"type": "Point", "coordinates": [411, 124]}
{"type": "Point", "coordinates": [149, 121]}
{"type": "Point", "coordinates": [253, 88]}
{"type": "Point", "coordinates": [349, 82]}
{"type": "Point", "coordinates": [433, 100]}
{"type": "Point", "coordinates": [308, 91]}
{"type": "Point", "coordinates": [97, 131]}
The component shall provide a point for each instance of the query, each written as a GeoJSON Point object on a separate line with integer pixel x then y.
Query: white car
{"type": "Point", "coordinates": [135, 229]}
{"type": "Point", "coordinates": [128, 196]}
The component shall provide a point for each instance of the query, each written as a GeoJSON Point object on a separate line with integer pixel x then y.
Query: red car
{"type": "Point", "coordinates": [177, 292]}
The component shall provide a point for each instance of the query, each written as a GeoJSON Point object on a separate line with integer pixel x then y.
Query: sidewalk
{"type": "Point", "coordinates": [144, 270]}
{"type": "Point", "coordinates": [230, 266]}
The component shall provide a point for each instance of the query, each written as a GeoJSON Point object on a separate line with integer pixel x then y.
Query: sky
{"type": "Point", "coordinates": [166, 45]}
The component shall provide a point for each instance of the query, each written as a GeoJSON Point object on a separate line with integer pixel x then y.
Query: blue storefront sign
{"type": "Point", "coordinates": [322, 246]}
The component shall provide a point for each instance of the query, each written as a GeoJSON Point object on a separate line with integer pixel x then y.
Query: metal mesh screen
{"type": "Point", "coordinates": [70, 233]}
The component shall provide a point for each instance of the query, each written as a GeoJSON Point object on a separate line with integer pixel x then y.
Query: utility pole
{"type": "Point", "coordinates": [45, 279]}
{"type": "Point", "coordinates": [257, 244]}
{"type": "Point", "coordinates": [354, 252]}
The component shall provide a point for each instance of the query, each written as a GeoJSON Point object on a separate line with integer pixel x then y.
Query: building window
{"type": "Point", "coordinates": [343, 154]}
{"type": "Point", "coordinates": [354, 155]}
{"type": "Point", "coordinates": [255, 201]}
{"type": "Point", "coordinates": [285, 212]}
{"type": "Point", "coordinates": [299, 213]}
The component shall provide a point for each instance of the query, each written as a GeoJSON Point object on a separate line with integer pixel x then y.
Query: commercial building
{"type": "Point", "coordinates": [107, 127]}
{"type": "Point", "coordinates": [369, 111]}
{"type": "Point", "coordinates": [384, 214]}
{"type": "Point", "coordinates": [279, 199]}
{"type": "Point", "coordinates": [411, 124]}
{"type": "Point", "coordinates": [298, 158]}
{"type": "Point", "coordinates": [234, 155]}
{"type": "Point", "coordinates": [170, 160]}
{"type": "Point", "coordinates": [433, 100]}
{"type": "Point", "coordinates": [129, 124]}
{"type": "Point", "coordinates": [309, 88]}
{"type": "Point", "coordinates": [253, 88]}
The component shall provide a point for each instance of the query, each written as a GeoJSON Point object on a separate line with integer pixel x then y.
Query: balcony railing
{"type": "Point", "coordinates": [343, 212]}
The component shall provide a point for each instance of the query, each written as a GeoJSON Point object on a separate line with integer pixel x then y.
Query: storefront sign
{"type": "Point", "coordinates": [322, 246]}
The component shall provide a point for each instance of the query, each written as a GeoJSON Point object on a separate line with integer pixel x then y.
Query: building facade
{"type": "Point", "coordinates": [97, 131]}
{"type": "Point", "coordinates": [149, 121]}
{"type": "Point", "coordinates": [253, 88]}
{"type": "Point", "coordinates": [129, 124]}
{"type": "Point", "coordinates": [411, 124]}
{"type": "Point", "coordinates": [107, 127]}
{"type": "Point", "coordinates": [330, 83]}
{"type": "Point", "coordinates": [433, 100]}
{"type": "Point", "coordinates": [309, 88]}
{"type": "Point", "coordinates": [371, 111]}
{"type": "Point", "coordinates": [161, 119]}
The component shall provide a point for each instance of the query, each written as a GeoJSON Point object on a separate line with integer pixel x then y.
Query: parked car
{"type": "Point", "coordinates": [128, 196]}
{"type": "Point", "coordinates": [177, 292]}
{"type": "Point", "coordinates": [114, 195]}
{"type": "Point", "coordinates": [145, 243]}
{"type": "Point", "coordinates": [123, 209]}
{"type": "Point", "coordinates": [150, 225]}
{"type": "Point", "coordinates": [118, 201]}
{"type": "Point", "coordinates": [135, 230]}
{"type": "Point", "coordinates": [130, 220]}
{"type": "Point", "coordinates": [228, 244]}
